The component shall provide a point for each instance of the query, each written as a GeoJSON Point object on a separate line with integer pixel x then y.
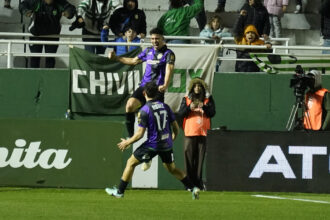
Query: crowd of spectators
{"type": "Point", "coordinates": [128, 23]}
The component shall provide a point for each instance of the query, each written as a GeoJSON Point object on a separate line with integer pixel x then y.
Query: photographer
{"type": "Point", "coordinates": [316, 104]}
{"type": "Point", "coordinates": [196, 110]}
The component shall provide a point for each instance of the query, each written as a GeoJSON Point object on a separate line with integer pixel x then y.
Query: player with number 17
{"type": "Point", "coordinates": [156, 117]}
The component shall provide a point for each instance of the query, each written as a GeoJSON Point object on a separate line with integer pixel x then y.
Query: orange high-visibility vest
{"type": "Point", "coordinates": [196, 123]}
{"type": "Point", "coordinates": [313, 113]}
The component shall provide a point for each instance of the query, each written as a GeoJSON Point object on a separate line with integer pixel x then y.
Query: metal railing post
{"type": "Point", "coordinates": [9, 55]}
{"type": "Point", "coordinates": [287, 44]}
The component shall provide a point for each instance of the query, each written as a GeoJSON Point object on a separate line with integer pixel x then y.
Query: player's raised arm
{"type": "Point", "coordinates": [125, 60]}
{"type": "Point", "coordinates": [175, 129]}
{"type": "Point", "coordinates": [168, 76]}
{"type": "Point", "coordinates": [124, 144]}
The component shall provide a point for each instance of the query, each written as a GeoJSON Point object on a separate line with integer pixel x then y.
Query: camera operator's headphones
{"type": "Point", "coordinates": [317, 78]}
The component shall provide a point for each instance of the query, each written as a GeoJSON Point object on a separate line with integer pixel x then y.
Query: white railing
{"type": "Point", "coordinates": [10, 54]}
{"type": "Point", "coordinates": [197, 38]}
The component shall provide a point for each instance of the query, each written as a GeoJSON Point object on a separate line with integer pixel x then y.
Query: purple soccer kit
{"type": "Point", "coordinates": [157, 118]}
{"type": "Point", "coordinates": [156, 61]}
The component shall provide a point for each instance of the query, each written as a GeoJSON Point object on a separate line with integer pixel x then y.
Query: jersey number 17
{"type": "Point", "coordinates": [161, 118]}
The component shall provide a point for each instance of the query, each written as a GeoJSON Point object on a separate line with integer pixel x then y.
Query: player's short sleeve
{"type": "Point", "coordinates": [170, 58]}
{"type": "Point", "coordinates": [171, 116]}
{"type": "Point", "coordinates": [143, 119]}
{"type": "Point", "coordinates": [143, 55]}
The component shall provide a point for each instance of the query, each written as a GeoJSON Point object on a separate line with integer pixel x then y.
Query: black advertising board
{"type": "Point", "coordinates": [268, 161]}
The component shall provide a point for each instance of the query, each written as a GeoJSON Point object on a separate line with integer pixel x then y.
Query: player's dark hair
{"type": "Point", "coordinates": [156, 31]}
{"type": "Point", "coordinates": [151, 89]}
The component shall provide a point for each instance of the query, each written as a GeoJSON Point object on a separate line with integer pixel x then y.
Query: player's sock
{"type": "Point", "coordinates": [187, 183]}
{"type": "Point", "coordinates": [122, 186]}
{"type": "Point", "coordinates": [130, 120]}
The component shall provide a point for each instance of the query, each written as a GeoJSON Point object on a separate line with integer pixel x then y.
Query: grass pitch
{"type": "Point", "coordinates": [26, 203]}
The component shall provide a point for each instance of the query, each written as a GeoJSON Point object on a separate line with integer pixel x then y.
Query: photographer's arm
{"type": "Point", "coordinates": [209, 108]}
{"type": "Point", "coordinates": [184, 109]}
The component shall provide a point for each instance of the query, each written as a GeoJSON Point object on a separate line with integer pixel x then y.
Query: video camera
{"type": "Point", "coordinates": [301, 81]}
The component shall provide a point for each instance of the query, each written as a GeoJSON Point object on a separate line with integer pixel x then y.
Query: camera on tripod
{"type": "Point", "coordinates": [301, 81]}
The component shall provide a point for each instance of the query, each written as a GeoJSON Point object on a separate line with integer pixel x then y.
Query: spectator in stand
{"type": "Point", "coordinates": [325, 24]}
{"type": "Point", "coordinates": [196, 109]}
{"type": "Point", "coordinates": [298, 7]}
{"type": "Point", "coordinates": [130, 15]}
{"type": "Point", "coordinates": [129, 36]}
{"type": "Point", "coordinates": [215, 31]}
{"type": "Point", "coordinates": [276, 9]}
{"type": "Point", "coordinates": [95, 14]}
{"type": "Point", "coordinates": [255, 13]}
{"type": "Point", "coordinates": [45, 20]}
{"type": "Point", "coordinates": [221, 6]}
{"type": "Point", "coordinates": [246, 36]}
{"type": "Point", "coordinates": [201, 16]}
{"type": "Point", "coordinates": [176, 21]}
{"type": "Point", "coordinates": [7, 4]}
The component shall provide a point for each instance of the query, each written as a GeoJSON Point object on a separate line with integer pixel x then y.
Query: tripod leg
{"type": "Point", "coordinates": [293, 116]}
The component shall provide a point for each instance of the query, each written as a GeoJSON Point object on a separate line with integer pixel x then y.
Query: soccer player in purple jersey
{"type": "Point", "coordinates": [159, 69]}
{"type": "Point", "coordinates": [156, 117]}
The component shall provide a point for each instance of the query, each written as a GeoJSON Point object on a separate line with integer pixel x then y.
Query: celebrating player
{"type": "Point", "coordinates": [156, 117]}
{"type": "Point", "coordinates": [160, 65]}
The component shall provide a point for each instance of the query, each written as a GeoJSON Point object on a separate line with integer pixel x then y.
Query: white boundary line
{"type": "Point", "coordinates": [294, 199]}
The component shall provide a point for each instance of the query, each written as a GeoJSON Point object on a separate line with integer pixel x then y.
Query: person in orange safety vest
{"type": "Point", "coordinates": [197, 108]}
{"type": "Point", "coordinates": [315, 99]}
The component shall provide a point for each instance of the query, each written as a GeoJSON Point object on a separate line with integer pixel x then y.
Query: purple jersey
{"type": "Point", "coordinates": [156, 64]}
{"type": "Point", "coordinates": [157, 118]}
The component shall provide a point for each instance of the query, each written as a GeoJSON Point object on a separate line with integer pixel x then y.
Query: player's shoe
{"type": "Point", "coordinates": [146, 165]}
{"type": "Point", "coordinates": [114, 192]}
{"type": "Point", "coordinates": [195, 193]}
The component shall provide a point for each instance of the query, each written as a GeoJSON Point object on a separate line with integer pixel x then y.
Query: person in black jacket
{"type": "Point", "coordinates": [325, 24]}
{"type": "Point", "coordinates": [247, 35]}
{"type": "Point", "coordinates": [45, 20]}
{"type": "Point", "coordinates": [255, 13]}
{"type": "Point", "coordinates": [130, 15]}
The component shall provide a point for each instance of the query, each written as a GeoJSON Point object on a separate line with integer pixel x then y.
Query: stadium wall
{"type": "Point", "coordinates": [251, 102]}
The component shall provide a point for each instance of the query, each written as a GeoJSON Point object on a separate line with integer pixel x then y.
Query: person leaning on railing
{"type": "Point", "coordinates": [325, 24]}
{"type": "Point", "coordinates": [131, 15]}
{"type": "Point", "coordinates": [45, 20]}
{"type": "Point", "coordinates": [247, 36]}
{"type": "Point", "coordinates": [215, 31]}
{"type": "Point", "coordinates": [129, 36]}
{"type": "Point", "coordinates": [95, 14]}
{"type": "Point", "coordinates": [255, 13]}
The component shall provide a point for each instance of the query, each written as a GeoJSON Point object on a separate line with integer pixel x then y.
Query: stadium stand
{"type": "Point", "coordinates": [303, 29]}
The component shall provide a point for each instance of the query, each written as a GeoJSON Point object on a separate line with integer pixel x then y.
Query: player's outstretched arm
{"type": "Point", "coordinates": [125, 60]}
{"type": "Point", "coordinates": [168, 75]}
{"type": "Point", "coordinates": [175, 129]}
{"type": "Point", "coordinates": [124, 144]}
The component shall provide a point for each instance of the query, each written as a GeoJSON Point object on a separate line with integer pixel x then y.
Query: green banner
{"type": "Point", "coordinates": [286, 63]}
{"type": "Point", "coordinates": [60, 153]}
{"type": "Point", "coordinates": [99, 85]}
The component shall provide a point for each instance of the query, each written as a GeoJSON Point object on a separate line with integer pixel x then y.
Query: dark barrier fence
{"type": "Point", "coordinates": [243, 102]}
{"type": "Point", "coordinates": [60, 153]}
{"type": "Point", "coordinates": [268, 161]}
